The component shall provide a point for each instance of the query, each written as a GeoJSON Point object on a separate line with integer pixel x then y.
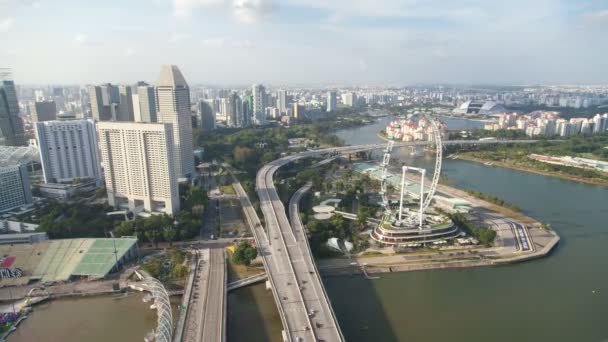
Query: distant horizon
{"type": "Point", "coordinates": [307, 42]}
{"type": "Point", "coordinates": [318, 85]}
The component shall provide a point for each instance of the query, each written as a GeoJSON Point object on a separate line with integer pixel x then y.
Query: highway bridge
{"type": "Point", "coordinates": [301, 299]}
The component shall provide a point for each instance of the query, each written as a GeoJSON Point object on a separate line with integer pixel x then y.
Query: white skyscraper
{"type": "Point", "coordinates": [68, 150]}
{"type": "Point", "coordinates": [259, 104]}
{"type": "Point", "coordinates": [349, 99]}
{"type": "Point", "coordinates": [138, 166]}
{"type": "Point", "coordinates": [173, 106]}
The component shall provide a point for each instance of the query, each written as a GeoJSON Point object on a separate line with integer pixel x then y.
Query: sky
{"type": "Point", "coordinates": [307, 42]}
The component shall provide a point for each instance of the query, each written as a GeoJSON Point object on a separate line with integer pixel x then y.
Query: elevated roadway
{"type": "Point", "coordinates": [309, 316]}
{"type": "Point", "coordinates": [205, 318]}
{"type": "Point", "coordinates": [302, 302]}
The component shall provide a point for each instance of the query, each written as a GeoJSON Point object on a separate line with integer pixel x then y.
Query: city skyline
{"type": "Point", "coordinates": [312, 42]}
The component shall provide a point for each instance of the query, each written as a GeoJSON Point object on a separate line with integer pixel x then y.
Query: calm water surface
{"type": "Point", "coordinates": [91, 319]}
{"type": "Point", "coordinates": [551, 299]}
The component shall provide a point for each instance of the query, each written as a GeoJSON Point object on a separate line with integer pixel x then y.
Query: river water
{"type": "Point", "coordinates": [563, 297]}
{"type": "Point", "coordinates": [91, 319]}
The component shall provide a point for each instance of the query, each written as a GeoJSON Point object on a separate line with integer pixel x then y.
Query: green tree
{"type": "Point", "coordinates": [244, 254]}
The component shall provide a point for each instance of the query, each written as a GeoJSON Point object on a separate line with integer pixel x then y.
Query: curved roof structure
{"type": "Point", "coordinates": [170, 76]}
{"type": "Point", "coordinates": [13, 155]}
{"type": "Point", "coordinates": [479, 107]}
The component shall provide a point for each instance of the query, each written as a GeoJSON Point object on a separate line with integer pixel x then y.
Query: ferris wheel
{"type": "Point", "coordinates": [425, 201]}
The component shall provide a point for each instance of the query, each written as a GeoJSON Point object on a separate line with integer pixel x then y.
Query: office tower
{"type": "Point", "coordinates": [99, 112]}
{"type": "Point", "coordinates": [57, 91]}
{"type": "Point", "coordinates": [11, 124]}
{"type": "Point", "coordinates": [147, 102]}
{"type": "Point", "coordinates": [14, 187]}
{"type": "Point", "coordinates": [138, 166]}
{"type": "Point", "coordinates": [246, 108]}
{"type": "Point", "coordinates": [297, 110]}
{"type": "Point", "coordinates": [248, 113]}
{"type": "Point", "coordinates": [234, 114]}
{"type": "Point", "coordinates": [259, 104]}
{"type": "Point", "coordinates": [110, 94]}
{"type": "Point", "coordinates": [207, 115]}
{"type": "Point", "coordinates": [68, 150]}
{"type": "Point", "coordinates": [331, 101]}
{"type": "Point", "coordinates": [282, 100]}
{"type": "Point", "coordinates": [43, 111]}
{"type": "Point", "coordinates": [173, 106]}
{"type": "Point", "coordinates": [125, 107]}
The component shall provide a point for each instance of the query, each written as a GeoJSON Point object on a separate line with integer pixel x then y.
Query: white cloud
{"type": "Point", "coordinates": [185, 7]}
{"type": "Point", "coordinates": [177, 37]}
{"type": "Point", "coordinates": [80, 39]}
{"type": "Point", "coordinates": [219, 41]}
{"type": "Point", "coordinates": [599, 17]}
{"type": "Point", "coordinates": [245, 11]}
{"type": "Point", "coordinates": [250, 11]}
{"type": "Point", "coordinates": [129, 52]}
{"type": "Point", "coordinates": [223, 42]}
{"type": "Point", "coordinates": [6, 24]}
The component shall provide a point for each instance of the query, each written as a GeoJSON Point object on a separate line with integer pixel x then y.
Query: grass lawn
{"type": "Point", "coordinates": [227, 189]}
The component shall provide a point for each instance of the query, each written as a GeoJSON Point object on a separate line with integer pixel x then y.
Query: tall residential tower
{"type": "Point", "coordinates": [138, 166]}
{"type": "Point", "coordinates": [68, 150]}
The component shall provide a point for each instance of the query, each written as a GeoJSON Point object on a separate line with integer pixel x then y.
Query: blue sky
{"type": "Point", "coordinates": [308, 42]}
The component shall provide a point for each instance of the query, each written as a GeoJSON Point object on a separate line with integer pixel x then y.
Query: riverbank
{"type": "Point", "coordinates": [464, 156]}
{"type": "Point", "coordinates": [432, 261]}
{"type": "Point", "coordinates": [531, 241]}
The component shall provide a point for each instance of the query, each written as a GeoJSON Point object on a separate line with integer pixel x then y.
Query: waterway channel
{"type": "Point", "coordinates": [91, 319]}
{"type": "Point", "coordinates": [563, 297]}
{"type": "Point", "coordinates": [560, 298]}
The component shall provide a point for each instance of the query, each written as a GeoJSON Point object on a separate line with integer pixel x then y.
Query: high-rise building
{"type": "Point", "coordinates": [136, 110]}
{"type": "Point", "coordinates": [43, 111]}
{"type": "Point", "coordinates": [234, 117]}
{"type": "Point", "coordinates": [332, 101]}
{"type": "Point", "coordinates": [349, 99]}
{"type": "Point", "coordinates": [259, 104]}
{"type": "Point", "coordinates": [68, 150]}
{"type": "Point", "coordinates": [138, 166]}
{"type": "Point", "coordinates": [282, 100]}
{"type": "Point", "coordinates": [125, 108]}
{"type": "Point", "coordinates": [14, 187]}
{"type": "Point", "coordinates": [147, 102]}
{"type": "Point", "coordinates": [297, 110]}
{"type": "Point", "coordinates": [207, 114]}
{"type": "Point", "coordinates": [173, 106]}
{"type": "Point", "coordinates": [11, 124]}
{"type": "Point", "coordinates": [99, 111]}
{"type": "Point", "coordinates": [39, 95]}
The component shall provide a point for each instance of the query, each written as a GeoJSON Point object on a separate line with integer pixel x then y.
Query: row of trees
{"type": "Point", "coordinates": [161, 228]}
{"type": "Point", "coordinates": [63, 221]}
{"type": "Point", "coordinates": [485, 236]}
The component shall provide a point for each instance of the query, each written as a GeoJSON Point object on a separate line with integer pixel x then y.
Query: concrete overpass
{"type": "Point", "coordinates": [302, 302]}
{"type": "Point", "coordinates": [205, 316]}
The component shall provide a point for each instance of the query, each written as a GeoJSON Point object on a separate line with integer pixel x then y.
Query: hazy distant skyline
{"type": "Point", "coordinates": [307, 41]}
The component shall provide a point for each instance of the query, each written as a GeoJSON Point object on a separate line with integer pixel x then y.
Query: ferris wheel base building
{"type": "Point", "coordinates": [436, 229]}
